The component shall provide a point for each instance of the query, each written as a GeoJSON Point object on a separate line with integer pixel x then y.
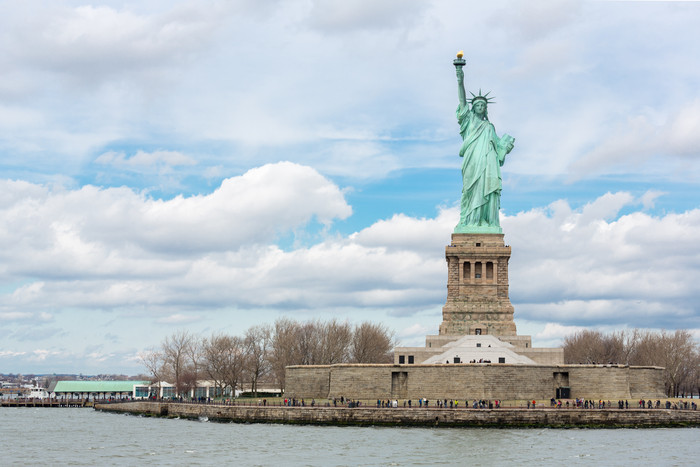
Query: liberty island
{"type": "Point", "coordinates": [478, 354]}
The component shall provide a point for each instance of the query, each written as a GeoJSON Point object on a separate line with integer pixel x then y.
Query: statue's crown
{"type": "Point", "coordinates": [480, 97]}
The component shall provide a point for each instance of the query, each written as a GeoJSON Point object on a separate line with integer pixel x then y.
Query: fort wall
{"type": "Point", "coordinates": [474, 381]}
{"type": "Point", "coordinates": [315, 379]}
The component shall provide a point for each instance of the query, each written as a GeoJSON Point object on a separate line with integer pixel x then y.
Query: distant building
{"type": "Point", "coordinates": [94, 389]}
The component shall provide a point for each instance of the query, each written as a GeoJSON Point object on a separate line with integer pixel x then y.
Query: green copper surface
{"type": "Point", "coordinates": [483, 154]}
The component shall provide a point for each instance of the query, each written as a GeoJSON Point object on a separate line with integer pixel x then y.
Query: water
{"type": "Point", "coordinates": [60, 436]}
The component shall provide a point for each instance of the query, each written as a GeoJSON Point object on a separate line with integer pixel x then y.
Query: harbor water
{"type": "Point", "coordinates": [82, 436]}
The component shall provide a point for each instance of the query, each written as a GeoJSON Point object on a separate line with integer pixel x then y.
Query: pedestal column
{"type": "Point", "coordinates": [477, 306]}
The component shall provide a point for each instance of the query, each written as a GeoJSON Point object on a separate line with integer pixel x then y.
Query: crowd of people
{"type": "Point", "coordinates": [578, 403]}
{"type": "Point", "coordinates": [440, 403]}
{"type": "Point", "coordinates": [680, 405]}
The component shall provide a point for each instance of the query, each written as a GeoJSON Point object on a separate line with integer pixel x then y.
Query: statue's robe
{"type": "Point", "coordinates": [483, 153]}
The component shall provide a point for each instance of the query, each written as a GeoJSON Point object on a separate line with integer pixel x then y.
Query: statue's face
{"type": "Point", "coordinates": [479, 107]}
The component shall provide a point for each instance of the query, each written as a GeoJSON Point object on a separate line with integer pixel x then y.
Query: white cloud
{"type": "Point", "coordinates": [403, 232]}
{"type": "Point", "coordinates": [415, 331]}
{"type": "Point", "coordinates": [355, 90]}
{"type": "Point", "coordinates": [557, 331]}
{"type": "Point", "coordinates": [534, 20]}
{"type": "Point", "coordinates": [81, 77]}
{"type": "Point", "coordinates": [340, 86]}
{"type": "Point", "coordinates": [115, 249]}
{"type": "Point", "coordinates": [105, 230]}
{"type": "Point", "coordinates": [145, 159]}
{"type": "Point", "coordinates": [594, 265]}
{"type": "Point", "coordinates": [604, 269]}
{"type": "Point", "coordinates": [334, 17]}
{"type": "Point", "coordinates": [682, 132]}
{"type": "Point", "coordinates": [178, 318]}
{"type": "Point", "coordinates": [89, 41]}
{"type": "Point", "coordinates": [39, 355]}
{"type": "Point", "coordinates": [660, 139]}
{"type": "Point", "coordinates": [649, 198]}
{"type": "Point", "coordinates": [15, 315]}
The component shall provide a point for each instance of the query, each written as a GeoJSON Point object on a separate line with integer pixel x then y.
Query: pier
{"type": "Point", "coordinates": [21, 402]}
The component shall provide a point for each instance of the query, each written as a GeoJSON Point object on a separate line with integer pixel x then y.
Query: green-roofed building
{"type": "Point", "coordinates": [203, 390]}
{"type": "Point", "coordinates": [99, 389]}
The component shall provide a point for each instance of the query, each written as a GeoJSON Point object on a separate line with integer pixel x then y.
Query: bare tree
{"type": "Point", "coordinates": [673, 351]}
{"type": "Point", "coordinates": [227, 360]}
{"type": "Point", "coordinates": [372, 343]}
{"type": "Point", "coordinates": [335, 342]}
{"type": "Point", "coordinates": [193, 354]}
{"type": "Point", "coordinates": [215, 357]}
{"type": "Point", "coordinates": [629, 340]}
{"type": "Point", "coordinates": [692, 383]}
{"type": "Point", "coordinates": [257, 349]}
{"type": "Point", "coordinates": [284, 349]}
{"type": "Point", "coordinates": [681, 349]}
{"type": "Point", "coordinates": [677, 352]}
{"type": "Point", "coordinates": [154, 361]}
{"type": "Point", "coordinates": [594, 347]}
{"type": "Point", "coordinates": [646, 349]}
{"type": "Point", "coordinates": [176, 350]}
{"type": "Point", "coordinates": [224, 360]}
{"type": "Point", "coordinates": [308, 344]}
{"type": "Point", "coordinates": [188, 382]}
{"type": "Point", "coordinates": [234, 364]}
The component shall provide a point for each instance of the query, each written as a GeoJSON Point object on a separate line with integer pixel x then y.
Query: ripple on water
{"type": "Point", "coordinates": [78, 436]}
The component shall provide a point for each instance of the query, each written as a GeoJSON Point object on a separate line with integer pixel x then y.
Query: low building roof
{"type": "Point", "coordinates": [97, 386]}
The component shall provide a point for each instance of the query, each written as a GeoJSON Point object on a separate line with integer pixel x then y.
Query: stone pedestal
{"type": "Point", "coordinates": [477, 287]}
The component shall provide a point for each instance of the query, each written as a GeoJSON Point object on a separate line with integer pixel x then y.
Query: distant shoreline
{"type": "Point", "coordinates": [425, 417]}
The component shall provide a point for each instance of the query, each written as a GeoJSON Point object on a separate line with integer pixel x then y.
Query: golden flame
{"type": "Point", "coordinates": [460, 54]}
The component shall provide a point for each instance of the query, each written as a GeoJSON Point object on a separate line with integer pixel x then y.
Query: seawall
{"type": "Point", "coordinates": [432, 417]}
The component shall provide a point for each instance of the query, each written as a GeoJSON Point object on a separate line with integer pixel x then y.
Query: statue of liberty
{"type": "Point", "coordinates": [483, 154]}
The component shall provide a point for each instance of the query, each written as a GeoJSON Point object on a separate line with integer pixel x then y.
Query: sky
{"type": "Point", "coordinates": [212, 165]}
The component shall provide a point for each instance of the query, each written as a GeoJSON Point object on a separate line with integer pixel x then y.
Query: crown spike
{"type": "Point", "coordinates": [482, 97]}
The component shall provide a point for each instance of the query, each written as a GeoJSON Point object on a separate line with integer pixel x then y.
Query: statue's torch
{"type": "Point", "coordinates": [459, 62]}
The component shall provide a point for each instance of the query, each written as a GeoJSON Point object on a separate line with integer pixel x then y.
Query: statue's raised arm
{"type": "Point", "coordinates": [459, 65]}
{"type": "Point", "coordinates": [483, 154]}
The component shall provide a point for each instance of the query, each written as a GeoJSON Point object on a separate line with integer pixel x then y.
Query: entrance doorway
{"type": "Point", "coordinates": [399, 384]}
